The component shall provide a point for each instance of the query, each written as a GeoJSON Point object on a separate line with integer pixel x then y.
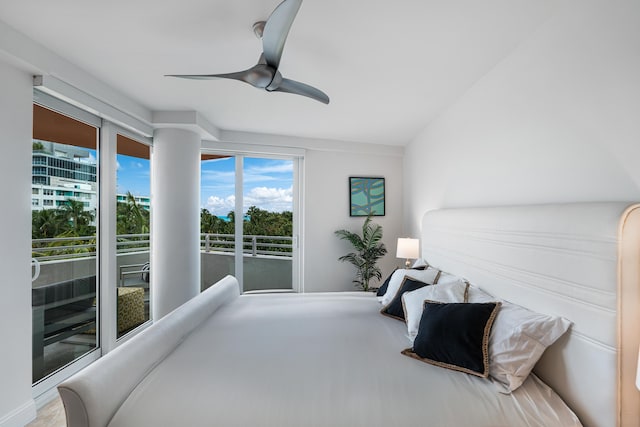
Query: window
{"type": "Point", "coordinates": [133, 210]}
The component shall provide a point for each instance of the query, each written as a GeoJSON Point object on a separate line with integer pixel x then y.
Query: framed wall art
{"type": "Point", "coordinates": [366, 196]}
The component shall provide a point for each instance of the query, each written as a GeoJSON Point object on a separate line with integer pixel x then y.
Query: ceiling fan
{"type": "Point", "coordinates": [265, 74]}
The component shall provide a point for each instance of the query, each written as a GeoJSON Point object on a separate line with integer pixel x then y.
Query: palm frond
{"type": "Point", "coordinates": [369, 250]}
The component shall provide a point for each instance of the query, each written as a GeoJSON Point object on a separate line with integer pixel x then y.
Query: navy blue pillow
{"type": "Point", "coordinates": [383, 289]}
{"type": "Point", "coordinates": [394, 308]}
{"type": "Point", "coordinates": [455, 336]}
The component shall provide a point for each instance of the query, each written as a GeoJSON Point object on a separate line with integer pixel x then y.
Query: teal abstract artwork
{"type": "Point", "coordinates": [366, 196]}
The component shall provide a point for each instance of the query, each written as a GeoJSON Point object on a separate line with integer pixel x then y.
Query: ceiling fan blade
{"type": "Point", "coordinates": [260, 75]}
{"type": "Point", "coordinates": [297, 88]}
{"type": "Point", "coordinates": [236, 76]}
{"type": "Point", "coordinates": [276, 30]}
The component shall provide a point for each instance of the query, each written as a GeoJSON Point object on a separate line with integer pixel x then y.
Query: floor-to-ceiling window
{"type": "Point", "coordinates": [248, 221]}
{"type": "Point", "coordinates": [65, 207]}
{"type": "Point", "coordinates": [133, 211]}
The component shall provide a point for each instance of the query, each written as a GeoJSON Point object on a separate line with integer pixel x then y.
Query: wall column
{"type": "Point", "coordinates": [175, 219]}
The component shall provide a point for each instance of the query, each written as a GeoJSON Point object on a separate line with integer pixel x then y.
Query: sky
{"type": "Point", "coordinates": [268, 183]}
{"type": "Point", "coordinates": [133, 175]}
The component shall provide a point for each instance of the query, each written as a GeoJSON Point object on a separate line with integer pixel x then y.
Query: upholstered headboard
{"type": "Point", "coordinates": [580, 261]}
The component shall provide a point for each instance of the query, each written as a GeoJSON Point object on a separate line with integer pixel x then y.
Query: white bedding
{"type": "Point", "coordinates": [320, 360]}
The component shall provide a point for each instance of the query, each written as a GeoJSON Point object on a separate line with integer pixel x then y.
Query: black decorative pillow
{"type": "Point", "coordinates": [455, 336]}
{"type": "Point", "coordinates": [383, 289]}
{"type": "Point", "coordinates": [394, 308]}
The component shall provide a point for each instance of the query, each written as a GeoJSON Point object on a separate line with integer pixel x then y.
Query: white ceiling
{"type": "Point", "coordinates": [389, 67]}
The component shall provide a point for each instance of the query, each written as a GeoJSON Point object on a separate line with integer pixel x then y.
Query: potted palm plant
{"type": "Point", "coordinates": [368, 250]}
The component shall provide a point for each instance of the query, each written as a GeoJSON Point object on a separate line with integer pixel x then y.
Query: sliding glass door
{"type": "Point", "coordinates": [267, 195]}
{"type": "Point", "coordinates": [248, 222]}
{"type": "Point", "coordinates": [65, 210]}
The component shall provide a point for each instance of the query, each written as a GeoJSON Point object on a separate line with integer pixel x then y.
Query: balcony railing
{"type": "Point", "coordinates": [251, 245]}
{"type": "Point", "coordinates": [82, 247]}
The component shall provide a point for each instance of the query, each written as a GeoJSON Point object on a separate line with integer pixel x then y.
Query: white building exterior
{"type": "Point", "coordinates": [61, 172]}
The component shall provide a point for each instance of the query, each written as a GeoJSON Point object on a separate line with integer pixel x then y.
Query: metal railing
{"type": "Point", "coordinates": [60, 248]}
{"type": "Point", "coordinates": [251, 245]}
{"type": "Point", "coordinates": [63, 248]}
{"type": "Point", "coordinates": [82, 247]}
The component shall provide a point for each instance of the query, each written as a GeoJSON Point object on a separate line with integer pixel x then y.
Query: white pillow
{"type": "Point", "coordinates": [518, 338]}
{"type": "Point", "coordinates": [477, 294]}
{"type": "Point", "coordinates": [448, 278]}
{"type": "Point", "coordinates": [413, 302]}
{"type": "Point", "coordinates": [420, 263]}
{"type": "Point", "coordinates": [428, 275]}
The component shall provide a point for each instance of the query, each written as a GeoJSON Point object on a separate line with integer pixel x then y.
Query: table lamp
{"type": "Point", "coordinates": [408, 249]}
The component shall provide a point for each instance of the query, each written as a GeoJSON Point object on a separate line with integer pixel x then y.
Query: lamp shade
{"type": "Point", "coordinates": [408, 248]}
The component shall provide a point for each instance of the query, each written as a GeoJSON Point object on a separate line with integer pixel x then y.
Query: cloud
{"type": "Point", "coordinates": [273, 167]}
{"type": "Point", "coordinates": [265, 198]}
{"type": "Point", "coordinates": [221, 206]}
{"type": "Point", "coordinates": [270, 199]}
{"type": "Point", "coordinates": [271, 171]}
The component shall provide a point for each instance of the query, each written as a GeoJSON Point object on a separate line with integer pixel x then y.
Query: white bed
{"type": "Point", "coordinates": [333, 360]}
{"type": "Point", "coordinates": [319, 360]}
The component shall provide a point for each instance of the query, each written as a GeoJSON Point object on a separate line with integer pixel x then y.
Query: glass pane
{"type": "Point", "coordinates": [133, 209]}
{"type": "Point", "coordinates": [217, 219]}
{"type": "Point", "coordinates": [64, 205]}
{"type": "Point", "coordinates": [268, 224]}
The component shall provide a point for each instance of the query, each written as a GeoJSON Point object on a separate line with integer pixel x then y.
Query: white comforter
{"type": "Point", "coordinates": [320, 360]}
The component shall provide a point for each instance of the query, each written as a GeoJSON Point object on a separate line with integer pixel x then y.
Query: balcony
{"type": "Point", "coordinates": [63, 295]}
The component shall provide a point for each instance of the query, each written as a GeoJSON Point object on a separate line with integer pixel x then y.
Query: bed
{"type": "Point", "coordinates": [331, 359]}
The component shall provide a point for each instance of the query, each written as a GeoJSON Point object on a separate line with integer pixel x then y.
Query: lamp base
{"type": "Point", "coordinates": [407, 263]}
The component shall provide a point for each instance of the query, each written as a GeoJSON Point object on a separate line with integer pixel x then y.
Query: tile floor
{"type": "Point", "coordinates": [50, 415]}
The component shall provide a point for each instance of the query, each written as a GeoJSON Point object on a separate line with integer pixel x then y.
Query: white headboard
{"type": "Point", "coordinates": [580, 261]}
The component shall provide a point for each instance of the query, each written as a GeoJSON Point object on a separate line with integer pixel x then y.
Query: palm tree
{"type": "Point", "coordinates": [369, 250]}
{"type": "Point", "coordinates": [77, 217]}
{"type": "Point", "coordinates": [46, 224]}
{"type": "Point", "coordinates": [131, 217]}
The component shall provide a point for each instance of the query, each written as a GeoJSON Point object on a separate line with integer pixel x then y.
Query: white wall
{"type": "Point", "coordinates": [326, 205]}
{"type": "Point", "coordinates": [558, 120]}
{"type": "Point", "coordinates": [16, 404]}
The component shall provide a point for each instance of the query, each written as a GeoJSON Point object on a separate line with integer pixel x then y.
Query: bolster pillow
{"type": "Point", "coordinates": [93, 396]}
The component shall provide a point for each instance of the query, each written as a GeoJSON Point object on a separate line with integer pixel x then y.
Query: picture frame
{"type": "Point", "coordinates": [366, 196]}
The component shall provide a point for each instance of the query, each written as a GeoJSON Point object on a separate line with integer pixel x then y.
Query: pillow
{"type": "Point", "coordinates": [383, 289]}
{"type": "Point", "coordinates": [455, 336]}
{"type": "Point", "coordinates": [394, 308]}
{"type": "Point", "coordinates": [429, 275]}
{"type": "Point", "coordinates": [518, 339]}
{"type": "Point", "coordinates": [477, 294]}
{"type": "Point", "coordinates": [420, 263]}
{"type": "Point", "coordinates": [449, 278]}
{"type": "Point", "coordinates": [413, 302]}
